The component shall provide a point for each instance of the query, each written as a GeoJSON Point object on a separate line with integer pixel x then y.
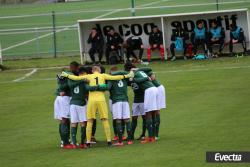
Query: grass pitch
{"type": "Point", "coordinates": [207, 110]}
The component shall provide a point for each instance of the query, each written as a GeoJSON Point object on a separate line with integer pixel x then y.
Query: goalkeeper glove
{"type": "Point", "coordinates": [64, 75]}
{"type": "Point", "coordinates": [60, 79]}
{"type": "Point", "coordinates": [130, 75]}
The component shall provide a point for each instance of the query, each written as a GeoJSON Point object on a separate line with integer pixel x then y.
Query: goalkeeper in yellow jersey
{"type": "Point", "coordinates": [96, 100]}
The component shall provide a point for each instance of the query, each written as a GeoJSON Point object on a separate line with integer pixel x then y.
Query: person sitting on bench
{"type": "Point", "coordinates": [134, 43]}
{"type": "Point", "coordinates": [97, 43]}
{"type": "Point", "coordinates": [114, 43]}
{"type": "Point", "coordinates": [155, 42]}
{"type": "Point", "coordinates": [179, 37]}
{"type": "Point", "coordinates": [236, 36]}
{"type": "Point", "coordinates": [199, 37]}
{"type": "Point", "coordinates": [216, 36]}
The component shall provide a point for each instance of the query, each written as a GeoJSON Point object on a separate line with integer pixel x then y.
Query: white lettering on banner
{"type": "Point", "coordinates": [232, 157]}
{"type": "Point", "coordinates": [142, 26]}
{"type": "Point", "coordinates": [188, 25]}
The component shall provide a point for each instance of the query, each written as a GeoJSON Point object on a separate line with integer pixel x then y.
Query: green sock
{"type": "Point", "coordinates": [83, 134]}
{"type": "Point", "coordinates": [157, 124]}
{"type": "Point", "coordinates": [76, 128]}
{"type": "Point", "coordinates": [61, 137]}
{"type": "Point", "coordinates": [64, 132]}
{"type": "Point", "coordinates": [68, 127]}
{"type": "Point", "coordinates": [133, 127]}
{"type": "Point", "coordinates": [94, 127]}
{"type": "Point", "coordinates": [73, 134]}
{"type": "Point", "coordinates": [123, 127]}
{"type": "Point", "coordinates": [153, 125]}
{"type": "Point", "coordinates": [119, 130]}
{"type": "Point", "coordinates": [149, 127]}
{"type": "Point", "coordinates": [144, 127]}
{"type": "Point", "coordinates": [128, 127]}
{"type": "Point", "coordinates": [114, 127]}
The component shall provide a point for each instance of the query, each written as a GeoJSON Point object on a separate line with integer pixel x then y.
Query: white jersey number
{"type": "Point", "coordinates": [134, 86]}
{"type": "Point", "coordinates": [120, 84]}
{"type": "Point", "coordinates": [143, 74]}
{"type": "Point", "coordinates": [76, 90]}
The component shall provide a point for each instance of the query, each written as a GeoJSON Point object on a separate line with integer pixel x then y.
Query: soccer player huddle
{"type": "Point", "coordinates": [81, 95]}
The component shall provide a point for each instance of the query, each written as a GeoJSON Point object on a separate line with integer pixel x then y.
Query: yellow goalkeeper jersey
{"type": "Point", "coordinates": [94, 80]}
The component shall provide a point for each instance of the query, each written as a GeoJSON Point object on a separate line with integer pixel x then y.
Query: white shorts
{"type": "Point", "coordinates": [138, 109]}
{"type": "Point", "coordinates": [120, 110]}
{"type": "Point", "coordinates": [64, 107]}
{"type": "Point", "coordinates": [57, 109]}
{"type": "Point", "coordinates": [78, 113]}
{"type": "Point", "coordinates": [151, 99]}
{"type": "Point", "coordinates": [161, 97]}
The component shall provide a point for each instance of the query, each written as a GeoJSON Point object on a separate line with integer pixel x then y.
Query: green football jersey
{"type": "Point", "coordinates": [149, 72]}
{"type": "Point", "coordinates": [63, 87]}
{"type": "Point", "coordinates": [141, 78]}
{"type": "Point", "coordinates": [118, 89]}
{"type": "Point", "coordinates": [138, 93]}
{"type": "Point", "coordinates": [57, 92]}
{"type": "Point", "coordinates": [78, 91]}
{"type": "Point", "coordinates": [156, 83]}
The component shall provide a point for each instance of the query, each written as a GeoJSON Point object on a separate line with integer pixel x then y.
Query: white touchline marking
{"type": "Point", "coordinates": [153, 3]}
{"type": "Point", "coordinates": [64, 29]}
{"type": "Point", "coordinates": [157, 72]}
{"type": "Point", "coordinates": [39, 68]}
{"type": "Point", "coordinates": [119, 10]}
{"type": "Point", "coordinates": [25, 76]}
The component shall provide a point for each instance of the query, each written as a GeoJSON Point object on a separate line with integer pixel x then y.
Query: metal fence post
{"type": "Point", "coordinates": [217, 5]}
{"type": "Point", "coordinates": [133, 7]}
{"type": "Point", "coordinates": [37, 42]}
{"type": "Point", "coordinates": [1, 58]}
{"type": "Point", "coordinates": [54, 33]}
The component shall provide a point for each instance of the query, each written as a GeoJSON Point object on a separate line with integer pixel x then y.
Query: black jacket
{"type": "Point", "coordinates": [114, 40]}
{"type": "Point", "coordinates": [96, 42]}
{"type": "Point", "coordinates": [155, 38]}
{"type": "Point", "coordinates": [134, 42]}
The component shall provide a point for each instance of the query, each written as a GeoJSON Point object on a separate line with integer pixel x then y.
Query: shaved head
{"type": "Point", "coordinates": [96, 69]}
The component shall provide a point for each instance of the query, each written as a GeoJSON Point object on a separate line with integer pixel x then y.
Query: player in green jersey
{"type": "Point", "coordinates": [138, 110]}
{"type": "Point", "coordinates": [120, 105]}
{"type": "Point", "coordinates": [64, 106]}
{"type": "Point", "coordinates": [161, 99]}
{"type": "Point", "coordinates": [138, 105]}
{"type": "Point", "coordinates": [59, 105]}
{"type": "Point", "coordinates": [150, 99]}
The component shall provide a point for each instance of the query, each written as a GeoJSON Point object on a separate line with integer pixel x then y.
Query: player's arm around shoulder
{"type": "Point", "coordinates": [105, 87]}
{"type": "Point", "coordinates": [120, 73]}
{"type": "Point", "coordinates": [140, 76]}
{"type": "Point", "coordinates": [118, 77]}
{"type": "Point", "coordinates": [74, 77]}
{"type": "Point", "coordinates": [88, 87]}
{"type": "Point", "coordinates": [77, 78]}
{"type": "Point", "coordinates": [111, 77]}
